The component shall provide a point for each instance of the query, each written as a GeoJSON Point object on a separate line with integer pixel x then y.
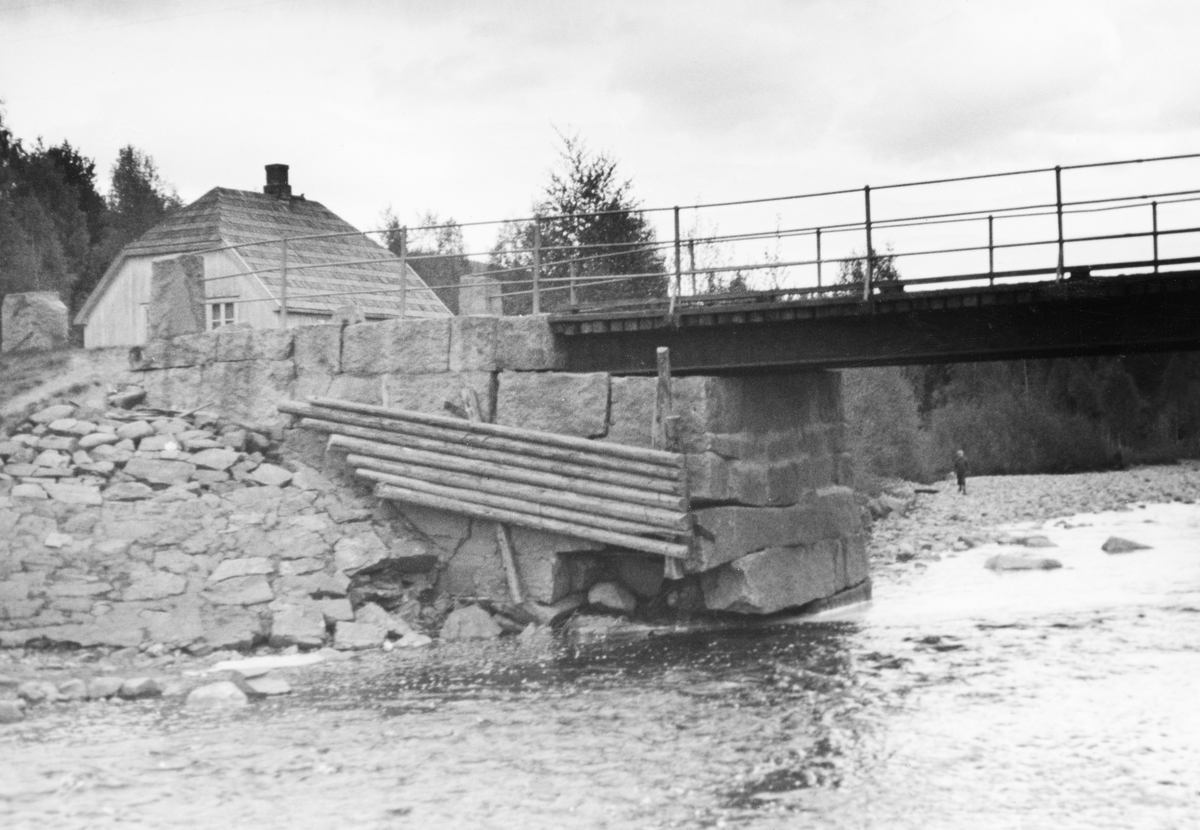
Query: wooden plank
{"type": "Point", "coordinates": [479, 511]}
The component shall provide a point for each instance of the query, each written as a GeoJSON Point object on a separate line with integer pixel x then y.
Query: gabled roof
{"type": "Point", "coordinates": [224, 217]}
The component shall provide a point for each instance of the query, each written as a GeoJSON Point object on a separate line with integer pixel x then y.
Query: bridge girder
{"type": "Point", "coordinates": [1108, 315]}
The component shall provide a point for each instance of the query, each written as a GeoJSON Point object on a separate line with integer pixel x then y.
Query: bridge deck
{"type": "Point", "coordinates": [1073, 317]}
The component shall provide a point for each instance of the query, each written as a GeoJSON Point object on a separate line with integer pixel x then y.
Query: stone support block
{"type": "Point", "coordinates": [430, 393]}
{"type": "Point", "coordinates": [774, 579]}
{"type": "Point", "coordinates": [473, 344]}
{"type": "Point", "coordinates": [237, 343]}
{"type": "Point", "coordinates": [177, 298]}
{"type": "Point", "coordinates": [178, 352]}
{"type": "Point", "coordinates": [357, 388]}
{"type": "Point", "coordinates": [560, 402]}
{"type": "Point", "coordinates": [527, 344]}
{"type": "Point", "coordinates": [406, 346]}
{"type": "Point", "coordinates": [631, 410]}
{"type": "Point", "coordinates": [251, 390]}
{"type": "Point", "coordinates": [317, 349]}
{"type": "Point", "coordinates": [731, 532]}
{"type": "Point", "coordinates": [174, 388]}
{"type": "Point", "coordinates": [32, 322]}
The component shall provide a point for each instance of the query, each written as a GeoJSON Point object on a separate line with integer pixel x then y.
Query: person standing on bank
{"type": "Point", "coordinates": [960, 471]}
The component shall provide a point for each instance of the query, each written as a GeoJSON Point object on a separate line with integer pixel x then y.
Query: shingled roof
{"type": "Point", "coordinates": [323, 274]}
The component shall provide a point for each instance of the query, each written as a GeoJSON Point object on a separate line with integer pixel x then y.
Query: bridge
{"type": "Point", "coordinates": [1093, 291]}
{"type": "Point", "coordinates": [771, 332]}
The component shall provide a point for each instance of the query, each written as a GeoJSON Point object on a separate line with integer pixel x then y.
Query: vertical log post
{"type": "Point", "coordinates": [678, 271]}
{"type": "Point", "coordinates": [662, 400]}
{"type": "Point", "coordinates": [503, 536]}
{"type": "Point", "coordinates": [574, 299]}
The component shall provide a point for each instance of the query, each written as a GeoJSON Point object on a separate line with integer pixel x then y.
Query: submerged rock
{"type": "Point", "coordinates": [220, 695]}
{"type": "Point", "coordinates": [1115, 544]}
{"type": "Point", "coordinates": [470, 623]}
{"type": "Point", "coordinates": [1016, 562]}
{"type": "Point", "coordinates": [612, 596]}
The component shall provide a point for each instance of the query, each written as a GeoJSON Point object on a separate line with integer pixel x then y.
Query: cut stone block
{"type": "Point", "coordinates": [183, 351]}
{"type": "Point", "coordinates": [473, 344]}
{"type": "Point", "coordinates": [526, 343]}
{"type": "Point", "coordinates": [568, 404]}
{"type": "Point", "coordinates": [773, 579]}
{"type": "Point", "coordinates": [317, 349]}
{"type": "Point", "coordinates": [241, 590]}
{"type": "Point", "coordinates": [430, 393]}
{"type": "Point", "coordinates": [235, 343]}
{"type": "Point", "coordinates": [34, 321]}
{"type": "Point", "coordinates": [177, 304]}
{"type": "Point", "coordinates": [730, 532]}
{"type": "Point", "coordinates": [406, 346]}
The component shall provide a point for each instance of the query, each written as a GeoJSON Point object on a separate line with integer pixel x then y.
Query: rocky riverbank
{"type": "Point", "coordinates": [929, 522]}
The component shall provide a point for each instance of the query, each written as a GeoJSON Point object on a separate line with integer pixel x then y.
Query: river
{"type": "Point", "coordinates": [959, 697]}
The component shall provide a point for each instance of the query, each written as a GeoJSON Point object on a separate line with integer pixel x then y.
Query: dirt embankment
{"type": "Point", "coordinates": [26, 379]}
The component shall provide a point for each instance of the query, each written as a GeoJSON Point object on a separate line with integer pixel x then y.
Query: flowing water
{"type": "Point", "coordinates": [958, 698]}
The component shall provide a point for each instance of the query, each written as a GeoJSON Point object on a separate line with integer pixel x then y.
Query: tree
{"type": "Point", "coordinates": [435, 251]}
{"type": "Point", "coordinates": [883, 270]}
{"type": "Point", "coordinates": [138, 199]}
{"type": "Point", "coordinates": [586, 213]}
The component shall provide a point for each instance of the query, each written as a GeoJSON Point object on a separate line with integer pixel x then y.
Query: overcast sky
{"type": "Point", "coordinates": [453, 107]}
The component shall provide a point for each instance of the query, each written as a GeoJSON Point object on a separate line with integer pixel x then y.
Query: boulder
{"type": "Point", "coordinates": [270, 686]}
{"type": "Point", "coordinates": [52, 413]}
{"type": "Point", "coordinates": [297, 625]}
{"type": "Point", "coordinates": [128, 491]}
{"type": "Point", "coordinates": [155, 585]}
{"type": "Point", "coordinates": [246, 566]}
{"type": "Point", "coordinates": [612, 596]}
{"type": "Point", "coordinates": [240, 590]}
{"type": "Point", "coordinates": [37, 691]}
{"type": "Point", "coordinates": [358, 553]}
{"type": "Point", "coordinates": [73, 689]}
{"type": "Point", "coordinates": [137, 688]}
{"type": "Point", "coordinates": [12, 711]}
{"type": "Point", "coordinates": [224, 694]}
{"type": "Point", "coordinates": [271, 475]}
{"type": "Point", "coordinates": [33, 321]}
{"type": "Point", "coordinates": [470, 623]}
{"type": "Point", "coordinates": [351, 636]}
{"type": "Point", "coordinates": [215, 458]}
{"type": "Point", "coordinates": [100, 688]}
{"type": "Point", "coordinates": [371, 614]}
{"type": "Point", "coordinates": [73, 493]}
{"type": "Point", "coordinates": [1019, 562]}
{"type": "Point", "coordinates": [1037, 542]}
{"type": "Point", "coordinates": [1115, 544]}
{"type": "Point", "coordinates": [160, 471]}
{"type": "Point", "coordinates": [95, 439]}
{"type": "Point", "coordinates": [134, 430]}
{"type": "Point", "coordinates": [641, 574]}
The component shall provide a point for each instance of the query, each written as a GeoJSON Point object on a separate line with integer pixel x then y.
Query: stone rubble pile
{"type": "Point", "coordinates": [167, 531]}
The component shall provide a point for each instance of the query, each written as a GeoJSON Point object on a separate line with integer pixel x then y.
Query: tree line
{"type": "Point", "coordinates": [57, 232]}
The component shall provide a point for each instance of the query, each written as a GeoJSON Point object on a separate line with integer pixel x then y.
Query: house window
{"type": "Point", "coordinates": [220, 314]}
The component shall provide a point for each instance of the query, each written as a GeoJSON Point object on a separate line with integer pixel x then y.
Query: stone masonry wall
{"type": "Point", "coordinates": [776, 522]}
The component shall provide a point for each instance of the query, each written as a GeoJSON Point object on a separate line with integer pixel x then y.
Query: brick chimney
{"type": "Point", "coordinates": [277, 182]}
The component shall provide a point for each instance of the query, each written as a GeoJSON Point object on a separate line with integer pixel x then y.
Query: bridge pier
{"type": "Point", "coordinates": [776, 522]}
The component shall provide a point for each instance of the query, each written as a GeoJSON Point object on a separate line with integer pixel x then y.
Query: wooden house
{"type": "Point", "coordinates": [328, 264]}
